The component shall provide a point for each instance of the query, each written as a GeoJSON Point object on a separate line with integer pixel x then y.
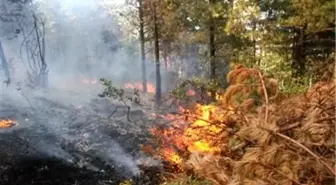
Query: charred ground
{"type": "Point", "coordinates": [57, 142]}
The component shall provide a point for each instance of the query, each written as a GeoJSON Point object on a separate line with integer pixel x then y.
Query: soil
{"type": "Point", "coordinates": [22, 164]}
{"type": "Point", "coordinates": [57, 144]}
{"type": "Point", "coordinates": [36, 171]}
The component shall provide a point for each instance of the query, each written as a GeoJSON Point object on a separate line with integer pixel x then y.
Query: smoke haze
{"type": "Point", "coordinates": [84, 42]}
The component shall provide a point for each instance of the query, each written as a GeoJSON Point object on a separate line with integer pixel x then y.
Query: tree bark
{"type": "Point", "coordinates": [142, 47]}
{"type": "Point", "coordinates": [43, 74]}
{"type": "Point", "coordinates": [298, 53]}
{"type": "Point", "coordinates": [212, 49]}
{"type": "Point", "coordinates": [157, 59]}
{"type": "Point", "coordinates": [4, 64]}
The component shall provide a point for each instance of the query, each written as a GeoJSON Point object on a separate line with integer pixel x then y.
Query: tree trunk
{"type": "Point", "coordinates": [165, 53]}
{"type": "Point", "coordinates": [142, 47]}
{"type": "Point", "coordinates": [43, 74]}
{"type": "Point", "coordinates": [212, 49]}
{"type": "Point", "coordinates": [254, 41]}
{"type": "Point", "coordinates": [4, 64]}
{"type": "Point", "coordinates": [298, 64]}
{"type": "Point", "coordinates": [157, 59]}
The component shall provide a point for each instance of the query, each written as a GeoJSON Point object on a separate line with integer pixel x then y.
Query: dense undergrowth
{"type": "Point", "coordinates": [265, 137]}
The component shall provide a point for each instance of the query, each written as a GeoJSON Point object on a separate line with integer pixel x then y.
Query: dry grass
{"type": "Point", "coordinates": [281, 142]}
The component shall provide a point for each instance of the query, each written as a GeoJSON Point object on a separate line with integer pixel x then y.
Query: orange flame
{"type": "Point", "coordinates": [7, 123]}
{"type": "Point", "coordinates": [191, 131]}
{"type": "Point", "coordinates": [150, 87]}
{"type": "Point", "coordinates": [191, 92]}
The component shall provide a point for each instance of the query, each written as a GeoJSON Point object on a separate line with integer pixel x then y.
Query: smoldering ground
{"type": "Point", "coordinates": [78, 136]}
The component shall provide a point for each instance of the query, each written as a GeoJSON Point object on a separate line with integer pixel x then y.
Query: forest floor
{"type": "Point", "coordinates": [73, 138]}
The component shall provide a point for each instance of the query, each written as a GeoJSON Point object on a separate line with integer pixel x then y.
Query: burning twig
{"type": "Point", "coordinates": [196, 117]}
{"type": "Point", "coordinates": [7, 123]}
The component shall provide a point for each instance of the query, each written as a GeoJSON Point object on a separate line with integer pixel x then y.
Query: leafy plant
{"type": "Point", "coordinates": [119, 94]}
{"type": "Point", "coordinates": [199, 86]}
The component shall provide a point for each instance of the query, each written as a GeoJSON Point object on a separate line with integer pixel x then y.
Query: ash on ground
{"type": "Point", "coordinates": [73, 141]}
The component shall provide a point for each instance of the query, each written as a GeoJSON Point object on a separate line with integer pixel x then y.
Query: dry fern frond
{"type": "Point", "coordinates": [217, 169]}
{"type": "Point", "coordinates": [294, 145]}
{"type": "Point", "coordinates": [253, 132]}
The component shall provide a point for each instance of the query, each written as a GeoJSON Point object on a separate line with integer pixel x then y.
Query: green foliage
{"type": "Point", "coordinates": [294, 86]}
{"type": "Point", "coordinates": [180, 92]}
{"type": "Point", "coordinates": [117, 93]}
{"type": "Point", "coordinates": [275, 66]}
{"type": "Point", "coordinates": [111, 91]}
{"type": "Point", "coordinates": [255, 33]}
{"type": "Point", "coordinates": [317, 15]}
{"type": "Point", "coordinates": [196, 84]}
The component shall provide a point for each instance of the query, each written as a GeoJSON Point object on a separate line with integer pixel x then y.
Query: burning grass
{"type": "Point", "coordinates": [139, 86]}
{"type": "Point", "coordinates": [252, 135]}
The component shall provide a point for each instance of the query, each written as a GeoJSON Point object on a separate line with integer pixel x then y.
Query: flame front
{"type": "Point", "coordinates": [7, 123]}
{"type": "Point", "coordinates": [139, 86]}
{"type": "Point", "coordinates": [190, 131]}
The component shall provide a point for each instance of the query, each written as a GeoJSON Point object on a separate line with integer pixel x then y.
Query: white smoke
{"type": "Point", "coordinates": [76, 49]}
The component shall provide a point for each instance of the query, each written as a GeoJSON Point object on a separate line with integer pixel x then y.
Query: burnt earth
{"type": "Point", "coordinates": [54, 172]}
{"type": "Point", "coordinates": [22, 164]}
{"type": "Point", "coordinates": [59, 145]}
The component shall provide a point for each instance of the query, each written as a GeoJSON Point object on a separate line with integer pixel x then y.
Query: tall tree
{"type": "Point", "coordinates": [4, 65]}
{"type": "Point", "coordinates": [142, 44]}
{"type": "Point", "coordinates": [157, 52]}
{"type": "Point", "coordinates": [30, 24]}
{"type": "Point", "coordinates": [312, 24]}
{"type": "Point", "coordinates": [212, 48]}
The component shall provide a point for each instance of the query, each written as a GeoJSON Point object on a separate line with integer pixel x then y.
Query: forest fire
{"type": "Point", "coordinates": [191, 92]}
{"type": "Point", "coordinates": [7, 123]}
{"type": "Point", "coordinates": [150, 87]}
{"type": "Point", "coordinates": [190, 131]}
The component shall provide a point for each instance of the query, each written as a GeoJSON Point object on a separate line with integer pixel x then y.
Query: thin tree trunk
{"type": "Point", "coordinates": [212, 50]}
{"type": "Point", "coordinates": [166, 48]}
{"type": "Point", "coordinates": [298, 64]}
{"type": "Point", "coordinates": [165, 55]}
{"type": "Point", "coordinates": [254, 41]}
{"type": "Point", "coordinates": [41, 46]}
{"type": "Point", "coordinates": [142, 47]}
{"type": "Point", "coordinates": [157, 59]}
{"type": "Point", "coordinates": [4, 64]}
